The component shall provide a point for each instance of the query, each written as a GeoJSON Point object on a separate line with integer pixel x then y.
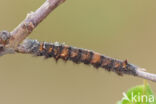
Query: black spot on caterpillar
{"type": "Point", "coordinates": [77, 55]}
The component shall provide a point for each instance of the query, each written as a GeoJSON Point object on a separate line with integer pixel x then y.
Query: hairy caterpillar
{"type": "Point", "coordinates": [77, 55]}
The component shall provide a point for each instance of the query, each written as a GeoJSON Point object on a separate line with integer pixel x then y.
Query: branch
{"type": "Point", "coordinates": [79, 55]}
{"type": "Point", "coordinates": [142, 74]}
{"type": "Point", "coordinates": [9, 42]}
{"type": "Point", "coordinates": [31, 21]}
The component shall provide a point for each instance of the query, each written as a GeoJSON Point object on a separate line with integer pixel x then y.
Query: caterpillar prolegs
{"type": "Point", "coordinates": [77, 55]}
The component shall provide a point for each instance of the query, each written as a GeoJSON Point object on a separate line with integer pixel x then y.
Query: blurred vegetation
{"type": "Point", "coordinates": [142, 94]}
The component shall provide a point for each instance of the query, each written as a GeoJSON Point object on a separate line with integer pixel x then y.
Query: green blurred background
{"type": "Point", "coordinates": [124, 29]}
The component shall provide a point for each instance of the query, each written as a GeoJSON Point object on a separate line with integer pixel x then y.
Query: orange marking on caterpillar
{"type": "Point", "coordinates": [65, 52]}
{"type": "Point", "coordinates": [41, 47]}
{"type": "Point", "coordinates": [74, 53]}
{"type": "Point", "coordinates": [85, 56]}
{"type": "Point", "coordinates": [50, 50]}
{"type": "Point", "coordinates": [116, 64]}
{"type": "Point", "coordinates": [124, 64]}
{"type": "Point", "coordinates": [96, 58]}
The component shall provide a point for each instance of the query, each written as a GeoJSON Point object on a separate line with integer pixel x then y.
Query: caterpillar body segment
{"type": "Point", "coordinates": [76, 55]}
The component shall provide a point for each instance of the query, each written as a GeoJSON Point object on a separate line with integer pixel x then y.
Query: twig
{"type": "Point", "coordinates": [31, 21]}
{"type": "Point", "coordinates": [145, 75]}
{"type": "Point", "coordinates": [8, 44]}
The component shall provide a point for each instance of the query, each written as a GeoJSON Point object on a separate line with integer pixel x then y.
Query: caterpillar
{"type": "Point", "coordinates": [76, 55]}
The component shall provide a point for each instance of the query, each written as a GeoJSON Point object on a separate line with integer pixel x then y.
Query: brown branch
{"type": "Point", "coordinates": [31, 21]}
